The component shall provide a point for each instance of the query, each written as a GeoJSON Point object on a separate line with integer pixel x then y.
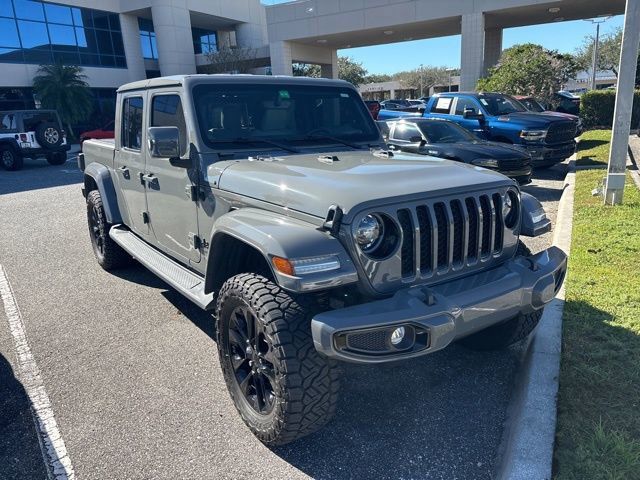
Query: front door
{"type": "Point", "coordinates": [473, 124]}
{"type": "Point", "coordinates": [129, 163]}
{"type": "Point", "coordinates": [172, 210]}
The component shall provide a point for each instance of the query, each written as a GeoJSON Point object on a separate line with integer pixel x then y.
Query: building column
{"type": "Point", "coordinates": [132, 49]}
{"type": "Point", "coordinates": [492, 47]}
{"type": "Point", "coordinates": [330, 70]}
{"type": "Point", "coordinates": [472, 50]}
{"type": "Point", "coordinates": [172, 24]}
{"type": "Point", "coordinates": [281, 59]}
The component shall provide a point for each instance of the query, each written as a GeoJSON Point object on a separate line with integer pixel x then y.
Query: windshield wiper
{"type": "Point", "coordinates": [333, 139]}
{"type": "Point", "coordinates": [244, 141]}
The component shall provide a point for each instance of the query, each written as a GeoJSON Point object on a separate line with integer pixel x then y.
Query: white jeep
{"type": "Point", "coordinates": [31, 134]}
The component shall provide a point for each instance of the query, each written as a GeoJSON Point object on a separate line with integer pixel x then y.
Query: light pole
{"type": "Point", "coordinates": [596, 42]}
{"type": "Point", "coordinates": [421, 80]}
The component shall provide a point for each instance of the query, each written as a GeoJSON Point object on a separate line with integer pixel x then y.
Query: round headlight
{"type": "Point", "coordinates": [369, 232]}
{"type": "Point", "coordinates": [510, 208]}
{"type": "Point", "coordinates": [507, 205]}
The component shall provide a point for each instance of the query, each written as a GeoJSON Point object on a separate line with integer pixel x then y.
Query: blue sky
{"type": "Point", "coordinates": [445, 51]}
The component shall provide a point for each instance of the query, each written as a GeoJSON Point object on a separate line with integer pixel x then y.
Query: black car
{"type": "Point", "coordinates": [445, 139]}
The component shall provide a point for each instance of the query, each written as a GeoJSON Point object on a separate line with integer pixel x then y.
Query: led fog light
{"type": "Point", "coordinates": [397, 335]}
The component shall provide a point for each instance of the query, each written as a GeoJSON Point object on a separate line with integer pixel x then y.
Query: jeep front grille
{"type": "Point", "coordinates": [444, 236]}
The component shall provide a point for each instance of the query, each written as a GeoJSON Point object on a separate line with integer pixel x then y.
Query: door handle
{"type": "Point", "coordinates": [125, 172]}
{"type": "Point", "coordinates": [150, 179]}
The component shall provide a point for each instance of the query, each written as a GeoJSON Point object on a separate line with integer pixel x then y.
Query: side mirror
{"type": "Point", "coordinates": [164, 142]}
{"type": "Point", "coordinates": [469, 113]}
{"type": "Point", "coordinates": [417, 139]}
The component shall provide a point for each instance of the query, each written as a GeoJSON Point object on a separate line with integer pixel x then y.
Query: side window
{"type": "Point", "coordinates": [8, 122]}
{"type": "Point", "coordinates": [442, 105]}
{"type": "Point", "coordinates": [465, 103]}
{"type": "Point", "coordinates": [132, 123]}
{"type": "Point", "coordinates": [404, 132]}
{"type": "Point", "coordinates": [166, 111]}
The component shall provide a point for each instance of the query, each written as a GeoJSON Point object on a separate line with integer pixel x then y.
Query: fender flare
{"type": "Point", "coordinates": [534, 219]}
{"type": "Point", "coordinates": [272, 235]}
{"type": "Point", "coordinates": [11, 142]}
{"type": "Point", "coordinates": [104, 183]}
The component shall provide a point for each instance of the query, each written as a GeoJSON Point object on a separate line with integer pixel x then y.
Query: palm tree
{"type": "Point", "coordinates": [63, 88]}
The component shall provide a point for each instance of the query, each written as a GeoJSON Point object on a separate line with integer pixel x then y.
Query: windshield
{"type": "Point", "coordinates": [497, 104]}
{"type": "Point", "coordinates": [445, 132]}
{"type": "Point", "coordinates": [532, 105]}
{"type": "Point", "coordinates": [236, 115]}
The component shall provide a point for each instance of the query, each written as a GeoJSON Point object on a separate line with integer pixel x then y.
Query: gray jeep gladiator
{"type": "Point", "coordinates": [273, 203]}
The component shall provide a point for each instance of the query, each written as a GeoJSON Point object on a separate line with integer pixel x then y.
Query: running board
{"type": "Point", "coordinates": [188, 283]}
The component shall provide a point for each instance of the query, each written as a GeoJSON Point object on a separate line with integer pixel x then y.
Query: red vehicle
{"type": "Point", "coordinates": [374, 108]}
{"type": "Point", "coordinates": [99, 133]}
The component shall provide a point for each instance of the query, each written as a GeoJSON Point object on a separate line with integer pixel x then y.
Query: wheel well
{"type": "Point", "coordinates": [231, 256]}
{"type": "Point", "coordinates": [503, 140]}
{"type": "Point", "coordinates": [89, 184]}
{"type": "Point", "coordinates": [11, 144]}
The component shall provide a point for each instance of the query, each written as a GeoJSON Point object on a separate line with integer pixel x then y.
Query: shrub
{"type": "Point", "coordinates": [596, 108]}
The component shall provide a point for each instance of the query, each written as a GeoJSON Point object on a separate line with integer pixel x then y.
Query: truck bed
{"type": "Point", "coordinates": [100, 151]}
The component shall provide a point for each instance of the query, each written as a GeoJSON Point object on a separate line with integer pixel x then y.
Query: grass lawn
{"type": "Point", "coordinates": [598, 434]}
{"type": "Point", "coordinates": [593, 148]}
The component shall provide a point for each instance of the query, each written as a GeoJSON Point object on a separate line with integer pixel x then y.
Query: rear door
{"type": "Point", "coordinates": [172, 210]}
{"type": "Point", "coordinates": [129, 160]}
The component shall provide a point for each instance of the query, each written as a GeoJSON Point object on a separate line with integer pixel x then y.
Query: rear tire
{"type": "Point", "coordinates": [506, 333]}
{"type": "Point", "coordinates": [57, 158]}
{"type": "Point", "coordinates": [10, 159]}
{"type": "Point", "coordinates": [109, 254]}
{"type": "Point", "coordinates": [279, 383]}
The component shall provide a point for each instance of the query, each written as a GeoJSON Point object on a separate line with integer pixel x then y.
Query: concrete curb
{"type": "Point", "coordinates": [531, 424]}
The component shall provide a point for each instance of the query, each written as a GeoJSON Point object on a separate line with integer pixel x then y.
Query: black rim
{"type": "Point", "coordinates": [94, 228]}
{"type": "Point", "coordinates": [7, 158]}
{"type": "Point", "coordinates": [251, 357]}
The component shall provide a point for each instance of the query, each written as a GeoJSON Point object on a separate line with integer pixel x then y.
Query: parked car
{"type": "Point", "coordinates": [374, 108]}
{"type": "Point", "coordinates": [445, 139]}
{"type": "Point", "coordinates": [395, 108]}
{"type": "Point", "coordinates": [534, 105]}
{"type": "Point", "coordinates": [31, 134]}
{"type": "Point", "coordinates": [567, 102]}
{"type": "Point", "coordinates": [104, 132]}
{"type": "Point", "coordinates": [498, 117]}
{"type": "Point", "coordinates": [273, 203]}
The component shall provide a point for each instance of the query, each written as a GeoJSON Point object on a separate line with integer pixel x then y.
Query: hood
{"type": "Point", "coordinates": [307, 184]}
{"type": "Point", "coordinates": [533, 119]}
{"type": "Point", "coordinates": [565, 116]}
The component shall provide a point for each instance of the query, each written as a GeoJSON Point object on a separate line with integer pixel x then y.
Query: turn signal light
{"type": "Point", "coordinates": [283, 265]}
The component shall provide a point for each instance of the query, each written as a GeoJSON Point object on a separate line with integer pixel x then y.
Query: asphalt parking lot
{"type": "Point", "coordinates": [132, 372]}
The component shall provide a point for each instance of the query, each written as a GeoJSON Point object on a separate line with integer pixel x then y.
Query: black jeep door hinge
{"type": "Point", "coordinates": [192, 192]}
{"type": "Point", "coordinates": [195, 241]}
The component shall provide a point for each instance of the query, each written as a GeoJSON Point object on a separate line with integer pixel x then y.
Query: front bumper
{"type": "Point", "coordinates": [547, 154]}
{"type": "Point", "coordinates": [440, 314]}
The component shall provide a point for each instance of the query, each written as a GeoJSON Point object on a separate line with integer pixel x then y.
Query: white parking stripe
{"type": "Point", "coordinates": [51, 442]}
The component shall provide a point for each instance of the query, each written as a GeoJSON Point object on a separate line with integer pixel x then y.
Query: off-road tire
{"type": "Point", "coordinates": [110, 256]}
{"type": "Point", "coordinates": [305, 386]}
{"type": "Point", "coordinates": [10, 159]}
{"type": "Point", "coordinates": [57, 158]}
{"type": "Point", "coordinates": [49, 135]}
{"type": "Point", "coordinates": [506, 333]}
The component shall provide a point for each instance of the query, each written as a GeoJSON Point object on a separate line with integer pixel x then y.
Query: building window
{"type": "Point", "coordinates": [148, 39]}
{"type": "Point", "coordinates": [32, 31]}
{"type": "Point", "coordinates": [204, 41]}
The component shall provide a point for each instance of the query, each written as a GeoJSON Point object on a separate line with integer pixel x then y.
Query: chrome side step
{"type": "Point", "coordinates": [188, 283]}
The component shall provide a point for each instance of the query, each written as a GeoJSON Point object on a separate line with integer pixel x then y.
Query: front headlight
{"type": "Point", "coordinates": [369, 232]}
{"type": "Point", "coordinates": [486, 162]}
{"type": "Point", "coordinates": [511, 208]}
{"type": "Point", "coordinates": [533, 135]}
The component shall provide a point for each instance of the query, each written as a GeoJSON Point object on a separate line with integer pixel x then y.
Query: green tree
{"type": "Point", "coordinates": [424, 77]}
{"type": "Point", "coordinates": [377, 78]}
{"type": "Point", "coordinates": [348, 69]}
{"type": "Point", "coordinates": [530, 69]}
{"type": "Point", "coordinates": [230, 60]}
{"type": "Point", "coordinates": [608, 51]}
{"type": "Point", "coordinates": [64, 88]}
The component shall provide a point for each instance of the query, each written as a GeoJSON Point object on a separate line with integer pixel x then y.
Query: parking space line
{"type": "Point", "coordinates": [52, 445]}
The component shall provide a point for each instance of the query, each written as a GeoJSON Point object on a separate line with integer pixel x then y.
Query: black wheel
{"type": "Point", "coordinates": [57, 158]}
{"type": "Point", "coordinates": [108, 253]}
{"type": "Point", "coordinates": [49, 135]}
{"type": "Point", "coordinates": [506, 333]}
{"type": "Point", "coordinates": [10, 159]}
{"type": "Point", "coordinates": [282, 388]}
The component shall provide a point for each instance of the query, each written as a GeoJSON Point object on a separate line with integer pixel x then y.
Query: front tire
{"type": "Point", "coordinates": [506, 333]}
{"type": "Point", "coordinates": [280, 385]}
{"type": "Point", "coordinates": [10, 159]}
{"type": "Point", "coordinates": [109, 254]}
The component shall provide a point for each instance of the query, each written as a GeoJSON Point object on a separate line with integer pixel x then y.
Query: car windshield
{"type": "Point", "coordinates": [232, 116]}
{"type": "Point", "coordinates": [532, 105]}
{"type": "Point", "coordinates": [497, 104]}
{"type": "Point", "coordinates": [445, 132]}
